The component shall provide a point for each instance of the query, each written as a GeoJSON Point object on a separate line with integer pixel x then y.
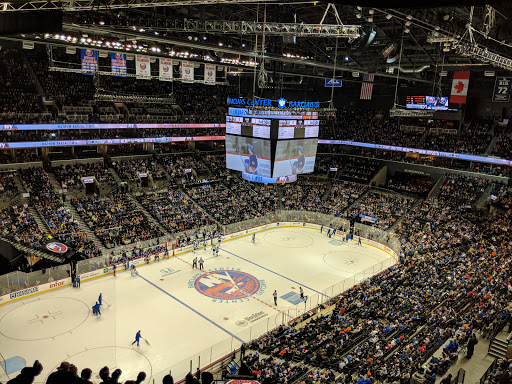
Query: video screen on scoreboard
{"type": "Point", "coordinates": [298, 129]}
{"type": "Point", "coordinates": [248, 126]}
{"type": "Point", "coordinates": [250, 155]}
{"type": "Point", "coordinates": [427, 102]}
{"type": "Point", "coordinates": [295, 157]}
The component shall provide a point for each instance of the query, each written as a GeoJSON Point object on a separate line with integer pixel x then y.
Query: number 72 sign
{"type": "Point", "coordinates": [502, 89]}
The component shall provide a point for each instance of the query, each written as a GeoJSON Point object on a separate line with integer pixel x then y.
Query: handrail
{"type": "Point", "coordinates": [497, 329]}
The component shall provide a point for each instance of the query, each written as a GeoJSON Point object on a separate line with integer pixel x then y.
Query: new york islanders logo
{"type": "Point", "coordinates": [227, 285]}
{"type": "Point", "coordinates": [165, 68]}
{"type": "Point", "coordinates": [142, 66]}
{"type": "Point", "coordinates": [210, 73]}
{"type": "Point", "coordinates": [89, 52]}
{"type": "Point", "coordinates": [187, 71]}
{"type": "Point", "coordinates": [119, 56]}
{"type": "Point", "coordinates": [57, 247]}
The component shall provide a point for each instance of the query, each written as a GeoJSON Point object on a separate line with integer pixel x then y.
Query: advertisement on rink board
{"type": "Point", "coordinates": [35, 290]}
{"type": "Point", "coordinates": [120, 267]}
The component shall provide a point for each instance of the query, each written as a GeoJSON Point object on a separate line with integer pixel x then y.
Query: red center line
{"type": "Point", "coordinates": [237, 287]}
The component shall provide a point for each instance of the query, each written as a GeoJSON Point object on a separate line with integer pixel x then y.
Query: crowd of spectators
{"type": "Point", "coordinates": [8, 187]}
{"type": "Point", "coordinates": [18, 224]}
{"type": "Point", "coordinates": [116, 220]}
{"type": "Point", "coordinates": [227, 202]}
{"type": "Point", "coordinates": [70, 176]}
{"type": "Point", "coordinates": [68, 373]}
{"type": "Point", "coordinates": [387, 208]}
{"type": "Point", "coordinates": [18, 93]}
{"type": "Point", "coordinates": [61, 222]}
{"type": "Point", "coordinates": [174, 210]}
{"type": "Point", "coordinates": [180, 166]}
{"type": "Point", "coordinates": [304, 194]}
{"type": "Point", "coordinates": [129, 170]}
{"type": "Point", "coordinates": [216, 163]}
{"type": "Point", "coordinates": [462, 191]}
{"type": "Point", "coordinates": [416, 184]}
{"type": "Point", "coordinates": [342, 195]}
{"type": "Point", "coordinates": [409, 321]}
{"type": "Point", "coordinates": [359, 169]}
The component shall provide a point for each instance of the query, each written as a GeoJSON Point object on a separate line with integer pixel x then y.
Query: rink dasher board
{"type": "Point", "coordinates": [100, 272]}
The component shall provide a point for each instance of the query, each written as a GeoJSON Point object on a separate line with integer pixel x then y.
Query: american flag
{"type": "Point", "coordinates": [367, 87]}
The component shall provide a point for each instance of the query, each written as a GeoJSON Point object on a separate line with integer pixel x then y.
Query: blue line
{"type": "Point", "coordinates": [278, 274]}
{"type": "Point", "coordinates": [189, 307]}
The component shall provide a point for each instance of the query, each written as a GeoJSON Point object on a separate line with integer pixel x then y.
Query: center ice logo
{"type": "Point", "coordinates": [227, 284]}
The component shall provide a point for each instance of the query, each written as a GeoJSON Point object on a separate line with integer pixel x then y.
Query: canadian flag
{"type": "Point", "coordinates": [460, 87]}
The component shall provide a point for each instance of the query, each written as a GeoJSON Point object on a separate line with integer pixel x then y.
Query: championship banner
{"type": "Point", "coordinates": [187, 71]}
{"type": "Point", "coordinates": [460, 87]}
{"type": "Point", "coordinates": [143, 67]}
{"type": "Point", "coordinates": [165, 70]}
{"type": "Point", "coordinates": [209, 73]}
{"type": "Point", "coordinates": [118, 64]}
{"type": "Point", "coordinates": [502, 89]}
{"type": "Point", "coordinates": [89, 59]}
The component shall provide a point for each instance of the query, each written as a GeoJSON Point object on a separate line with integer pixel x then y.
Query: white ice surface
{"type": "Point", "coordinates": [179, 322]}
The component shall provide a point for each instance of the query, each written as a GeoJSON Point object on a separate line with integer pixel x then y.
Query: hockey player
{"type": "Point", "coordinates": [77, 281]}
{"type": "Point", "coordinates": [194, 262]}
{"type": "Point", "coordinates": [213, 249]}
{"type": "Point", "coordinates": [201, 262]}
{"type": "Point", "coordinates": [205, 243]}
{"type": "Point", "coordinates": [195, 246]}
{"type": "Point", "coordinates": [359, 242]}
{"type": "Point", "coordinates": [137, 338]}
{"type": "Point", "coordinates": [114, 269]}
{"type": "Point", "coordinates": [100, 299]}
{"type": "Point", "coordinates": [251, 164]}
{"type": "Point", "coordinates": [329, 233]}
{"type": "Point", "coordinates": [253, 237]}
{"type": "Point", "coordinates": [133, 270]}
{"type": "Point", "coordinates": [217, 251]}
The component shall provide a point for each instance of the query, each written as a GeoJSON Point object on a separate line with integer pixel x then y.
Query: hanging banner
{"type": "Point", "coordinates": [143, 67]}
{"type": "Point", "coordinates": [187, 71]}
{"type": "Point", "coordinates": [209, 73]}
{"type": "Point", "coordinates": [460, 86]}
{"type": "Point", "coordinates": [89, 61]}
{"type": "Point", "coordinates": [502, 89]}
{"type": "Point", "coordinates": [165, 70]}
{"type": "Point", "coordinates": [118, 64]}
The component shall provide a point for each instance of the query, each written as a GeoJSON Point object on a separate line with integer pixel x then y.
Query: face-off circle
{"type": "Point", "coordinates": [227, 285]}
{"type": "Point", "coordinates": [44, 319]}
{"type": "Point", "coordinates": [289, 239]}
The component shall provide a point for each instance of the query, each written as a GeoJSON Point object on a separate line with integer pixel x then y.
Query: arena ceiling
{"type": "Point", "coordinates": [420, 42]}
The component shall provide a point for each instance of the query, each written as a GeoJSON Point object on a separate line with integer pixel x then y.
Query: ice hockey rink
{"type": "Point", "coordinates": [182, 312]}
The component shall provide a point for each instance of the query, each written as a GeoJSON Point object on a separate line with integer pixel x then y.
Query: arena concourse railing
{"type": "Point", "coordinates": [211, 358]}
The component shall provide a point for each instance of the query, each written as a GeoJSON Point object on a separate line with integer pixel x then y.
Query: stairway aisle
{"type": "Point", "coordinates": [85, 228]}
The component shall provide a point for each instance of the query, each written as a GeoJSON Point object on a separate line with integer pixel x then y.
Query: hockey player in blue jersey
{"type": "Point", "coordinates": [359, 242]}
{"type": "Point", "coordinates": [96, 309]}
{"type": "Point", "coordinates": [298, 166]}
{"type": "Point", "coordinates": [251, 164]}
{"type": "Point", "coordinates": [329, 233]}
{"type": "Point", "coordinates": [100, 299]}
